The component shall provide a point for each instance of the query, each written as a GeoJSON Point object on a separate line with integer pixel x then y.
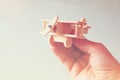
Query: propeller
{"type": "Point", "coordinates": [53, 23]}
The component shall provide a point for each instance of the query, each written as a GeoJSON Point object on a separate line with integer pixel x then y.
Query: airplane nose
{"type": "Point", "coordinates": [49, 26]}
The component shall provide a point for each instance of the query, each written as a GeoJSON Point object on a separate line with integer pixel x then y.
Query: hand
{"type": "Point", "coordinates": [87, 60]}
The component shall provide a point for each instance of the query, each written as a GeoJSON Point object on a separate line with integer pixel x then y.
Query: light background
{"type": "Point", "coordinates": [25, 53]}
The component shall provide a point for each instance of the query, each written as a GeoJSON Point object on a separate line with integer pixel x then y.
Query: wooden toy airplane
{"type": "Point", "coordinates": [64, 31]}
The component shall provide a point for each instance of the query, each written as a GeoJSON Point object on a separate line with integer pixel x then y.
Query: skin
{"type": "Point", "coordinates": [87, 60]}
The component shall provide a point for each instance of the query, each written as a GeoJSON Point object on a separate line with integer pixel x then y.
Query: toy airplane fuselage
{"type": "Point", "coordinates": [64, 31]}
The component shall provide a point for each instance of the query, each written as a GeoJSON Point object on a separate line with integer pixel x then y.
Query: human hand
{"type": "Point", "coordinates": [87, 60]}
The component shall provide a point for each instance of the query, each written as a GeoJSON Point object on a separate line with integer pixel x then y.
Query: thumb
{"type": "Point", "coordinates": [85, 45]}
{"type": "Point", "coordinates": [99, 55]}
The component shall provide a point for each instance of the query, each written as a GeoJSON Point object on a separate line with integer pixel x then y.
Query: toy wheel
{"type": "Point", "coordinates": [68, 42]}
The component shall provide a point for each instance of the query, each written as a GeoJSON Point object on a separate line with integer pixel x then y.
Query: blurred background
{"type": "Point", "coordinates": [25, 53]}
